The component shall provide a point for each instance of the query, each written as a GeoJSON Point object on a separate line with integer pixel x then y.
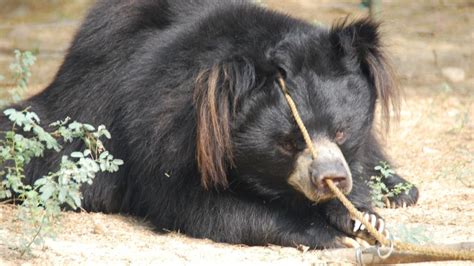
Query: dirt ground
{"type": "Point", "coordinates": [431, 44]}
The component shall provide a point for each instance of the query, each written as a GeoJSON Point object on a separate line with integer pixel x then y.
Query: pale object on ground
{"type": "Point", "coordinates": [454, 74]}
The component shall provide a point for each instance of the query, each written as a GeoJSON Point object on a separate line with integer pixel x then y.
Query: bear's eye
{"type": "Point", "coordinates": [291, 145]}
{"type": "Point", "coordinates": [340, 137]}
{"type": "Point", "coordinates": [288, 146]}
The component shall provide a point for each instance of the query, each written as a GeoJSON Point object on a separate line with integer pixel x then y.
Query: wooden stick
{"type": "Point", "coordinates": [370, 256]}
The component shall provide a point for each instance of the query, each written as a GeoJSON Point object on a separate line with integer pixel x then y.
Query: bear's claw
{"type": "Point", "coordinates": [378, 223]}
{"type": "Point", "coordinates": [349, 242]}
{"type": "Point", "coordinates": [392, 203]}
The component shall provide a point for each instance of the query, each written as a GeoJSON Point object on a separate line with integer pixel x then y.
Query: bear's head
{"type": "Point", "coordinates": [246, 132]}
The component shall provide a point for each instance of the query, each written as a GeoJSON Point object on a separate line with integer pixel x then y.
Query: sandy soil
{"type": "Point", "coordinates": [433, 145]}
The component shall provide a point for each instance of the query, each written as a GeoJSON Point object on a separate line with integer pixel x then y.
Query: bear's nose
{"type": "Point", "coordinates": [312, 172]}
{"type": "Point", "coordinates": [329, 164]}
{"type": "Point", "coordinates": [333, 170]}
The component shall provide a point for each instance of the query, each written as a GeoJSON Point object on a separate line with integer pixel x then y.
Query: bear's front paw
{"type": "Point", "coordinates": [344, 222]}
{"type": "Point", "coordinates": [360, 231]}
{"type": "Point", "coordinates": [403, 199]}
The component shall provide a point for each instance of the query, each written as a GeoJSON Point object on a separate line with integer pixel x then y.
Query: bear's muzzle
{"type": "Point", "coordinates": [309, 175]}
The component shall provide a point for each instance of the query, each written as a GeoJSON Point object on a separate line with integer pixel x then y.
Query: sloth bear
{"type": "Point", "coordinates": [188, 89]}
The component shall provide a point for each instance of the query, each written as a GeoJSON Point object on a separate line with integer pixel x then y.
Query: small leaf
{"type": "Point", "coordinates": [89, 127]}
{"type": "Point", "coordinates": [103, 155]}
{"type": "Point", "coordinates": [87, 152]}
{"type": "Point", "coordinates": [62, 194]}
{"type": "Point", "coordinates": [9, 111]}
{"type": "Point", "coordinates": [77, 154]}
{"type": "Point", "coordinates": [77, 200]}
{"type": "Point", "coordinates": [107, 134]}
{"type": "Point", "coordinates": [46, 192]}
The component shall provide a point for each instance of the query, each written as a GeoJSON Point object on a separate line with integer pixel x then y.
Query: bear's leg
{"type": "Point", "coordinates": [226, 218]}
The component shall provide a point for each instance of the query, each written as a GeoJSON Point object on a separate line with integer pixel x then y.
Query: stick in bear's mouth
{"type": "Point", "coordinates": [310, 174]}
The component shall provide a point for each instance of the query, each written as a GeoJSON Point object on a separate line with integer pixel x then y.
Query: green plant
{"type": "Point", "coordinates": [41, 202]}
{"type": "Point", "coordinates": [21, 74]}
{"type": "Point", "coordinates": [379, 191]}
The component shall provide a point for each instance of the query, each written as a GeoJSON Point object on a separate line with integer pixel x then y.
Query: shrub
{"type": "Point", "coordinates": [41, 202]}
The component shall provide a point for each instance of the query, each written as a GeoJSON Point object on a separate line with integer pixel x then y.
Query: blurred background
{"type": "Point", "coordinates": [431, 41]}
{"type": "Point", "coordinates": [431, 44]}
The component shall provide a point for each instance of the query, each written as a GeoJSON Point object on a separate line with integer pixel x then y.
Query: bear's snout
{"type": "Point", "coordinates": [309, 176]}
{"type": "Point", "coordinates": [329, 164]}
{"type": "Point", "coordinates": [334, 170]}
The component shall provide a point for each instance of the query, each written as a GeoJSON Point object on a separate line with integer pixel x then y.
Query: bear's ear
{"type": "Point", "coordinates": [360, 40]}
{"type": "Point", "coordinates": [215, 95]}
